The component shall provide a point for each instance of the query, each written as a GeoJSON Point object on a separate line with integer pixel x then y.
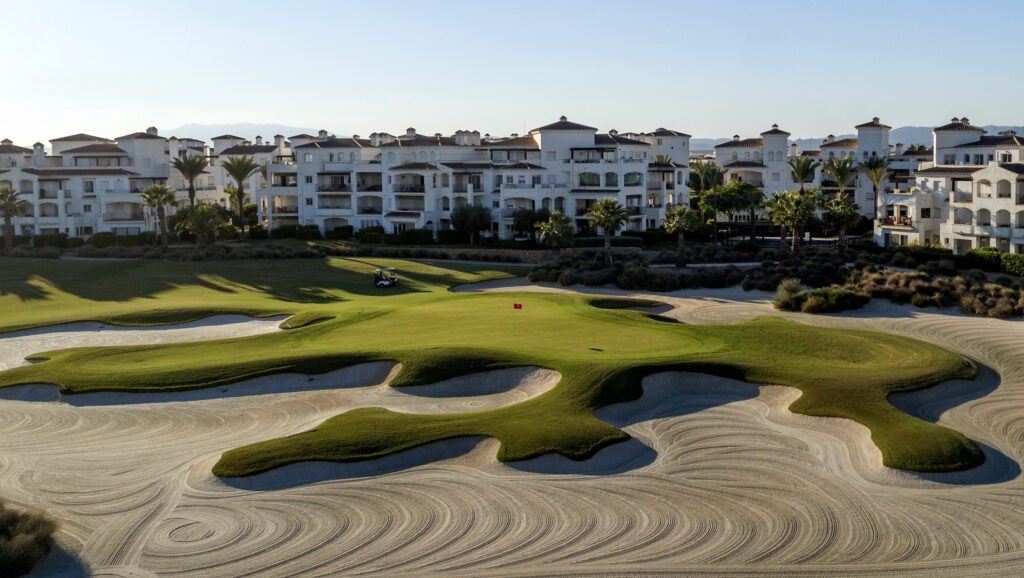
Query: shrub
{"type": "Point", "coordinates": [100, 240]}
{"type": "Point", "coordinates": [52, 240]}
{"type": "Point", "coordinates": [142, 239]}
{"type": "Point", "coordinates": [418, 236]}
{"type": "Point", "coordinates": [787, 291]}
{"type": "Point", "coordinates": [452, 237]}
{"type": "Point", "coordinates": [814, 304]}
{"type": "Point", "coordinates": [311, 232]}
{"type": "Point", "coordinates": [226, 232]}
{"type": "Point", "coordinates": [283, 232]}
{"type": "Point", "coordinates": [74, 242]}
{"type": "Point", "coordinates": [1012, 263]}
{"type": "Point", "coordinates": [617, 241]}
{"type": "Point", "coordinates": [369, 237]}
{"type": "Point", "coordinates": [565, 278]}
{"type": "Point", "coordinates": [985, 258]}
{"type": "Point", "coordinates": [633, 276]}
{"type": "Point", "coordinates": [340, 233]}
{"type": "Point", "coordinates": [258, 232]}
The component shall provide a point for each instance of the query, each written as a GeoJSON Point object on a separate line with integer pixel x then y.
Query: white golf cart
{"type": "Point", "coordinates": [385, 277]}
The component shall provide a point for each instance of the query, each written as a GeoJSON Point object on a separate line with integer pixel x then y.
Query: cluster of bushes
{"type": "Point", "coordinates": [742, 252]}
{"type": "Point", "coordinates": [24, 251]}
{"type": "Point", "coordinates": [212, 253]}
{"type": "Point", "coordinates": [258, 232]}
{"type": "Point", "coordinates": [617, 241]}
{"type": "Point", "coordinates": [340, 233]}
{"type": "Point", "coordinates": [25, 539]}
{"type": "Point", "coordinates": [990, 259]}
{"type": "Point", "coordinates": [401, 252]}
{"type": "Point", "coordinates": [971, 292]}
{"type": "Point", "coordinates": [101, 240]}
{"type": "Point", "coordinates": [792, 296]}
{"type": "Point", "coordinates": [590, 268]}
{"type": "Point", "coordinates": [818, 269]}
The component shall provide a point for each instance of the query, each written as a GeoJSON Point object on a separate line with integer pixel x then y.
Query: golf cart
{"type": "Point", "coordinates": [385, 277]}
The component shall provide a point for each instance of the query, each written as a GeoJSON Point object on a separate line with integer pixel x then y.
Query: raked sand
{"type": "Point", "coordinates": [719, 479]}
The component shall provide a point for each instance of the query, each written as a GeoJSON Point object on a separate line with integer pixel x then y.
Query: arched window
{"type": "Point", "coordinates": [446, 204]}
{"type": "Point", "coordinates": [746, 156]}
{"type": "Point", "coordinates": [352, 157]}
{"type": "Point", "coordinates": [633, 179]}
{"type": "Point", "coordinates": [611, 179]}
{"type": "Point", "coordinates": [865, 155]}
{"type": "Point", "coordinates": [771, 156]}
{"type": "Point", "coordinates": [590, 180]}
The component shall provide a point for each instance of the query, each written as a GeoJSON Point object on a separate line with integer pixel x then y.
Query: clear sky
{"type": "Point", "coordinates": [708, 68]}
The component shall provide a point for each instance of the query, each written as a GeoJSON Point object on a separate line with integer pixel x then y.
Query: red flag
{"type": "Point", "coordinates": [517, 306]}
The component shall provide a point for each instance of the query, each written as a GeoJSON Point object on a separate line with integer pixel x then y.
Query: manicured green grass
{"type": "Point", "coordinates": [602, 349]}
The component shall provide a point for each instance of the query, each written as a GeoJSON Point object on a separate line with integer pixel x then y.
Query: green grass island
{"type": "Point", "coordinates": [603, 347]}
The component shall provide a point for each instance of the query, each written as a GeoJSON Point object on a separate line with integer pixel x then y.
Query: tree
{"type": "Point", "coordinates": [790, 209]}
{"type": "Point", "coordinates": [876, 169]}
{"type": "Point", "coordinates": [843, 213]}
{"type": "Point", "coordinates": [190, 167]}
{"type": "Point", "coordinates": [10, 205]}
{"type": "Point", "coordinates": [610, 216]}
{"type": "Point", "coordinates": [706, 175]}
{"type": "Point", "coordinates": [802, 169]}
{"type": "Point", "coordinates": [240, 168]}
{"type": "Point", "coordinates": [842, 170]}
{"type": "Point", "coordinates": [471, 219]}
{"type": "Point", "coordinates": [159, 197]}
{"type": "Point", "coordinates": [524, 219]}
{"type": "Point", "coordinates": [663, 159]}
{"type": "Point", "coordinates": [680, 219]}
{"type": "Point", "coordinates": [746, 197]}
{"type": "Point", "coordinates": [555, 230]}
{"type": "Point", "coordinates": [201, 221]}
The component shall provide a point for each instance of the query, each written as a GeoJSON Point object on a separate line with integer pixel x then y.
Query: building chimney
{"type": "Point", "coordinates": [735, 137]}
{"type": "Point", "coordinates": [964, 120]}
{"type": "Point", "coordinates": [562, 118]}
{"type": "Point", "coordinates": [374, 139]}
{"type": "Point", "coordinates": [875, 120]}
{"type": "Point", "coordinates": [355, 137]}
{"type": "Point", "coordinates": [410, 132]}
{"type": "Point", "coordinates": [613, 132]}
{"type": "Point", "coordinates": [515, 135]}
{"type": "Point", "coordinates": [792, 150]}
{"type": "Point", "coordinates": [830, 138]}
{"type": "Point", "coordinates": [172, 147]}
{"type": "Point", "coordinates": [38, 155]}
{"type": "Point", "coordinates": [259, 140]}
{"type": "Point", "coordinates": [775, 126]}
{"type": "Point", "coordinates": [6, 141]}
{"type": "Point", "coordinates": [899, 149]}
{"type": "Point", "coordinates": [152, 130]}
{"type": "Point", "coordinates": [279, 141]}
{"type": "Point", "coordinates": [246, 143]}
{"type": "Point", "coordinates": [475, 137]}
{"type": "Point", "coordinates": [322, 135]}
{"type": "Point", "coordinates": [955, 119]}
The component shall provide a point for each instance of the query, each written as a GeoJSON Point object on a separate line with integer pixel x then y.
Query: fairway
{"type": "Point", "coordinates": [602, 351]}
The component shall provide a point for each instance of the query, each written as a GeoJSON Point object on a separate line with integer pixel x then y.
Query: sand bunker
{"type": "Point", "coordinates": [719, 477]}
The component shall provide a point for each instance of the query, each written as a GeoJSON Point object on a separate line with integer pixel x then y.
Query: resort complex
{"type": "Point", "coordinates": [966, 191]}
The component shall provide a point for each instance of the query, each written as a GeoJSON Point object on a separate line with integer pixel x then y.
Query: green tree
{"type": "Point", "coordinates": [843, 213]}
{"type": "Point", "coordinates": [746, 197]}
{"type": "Point", "coordinates": [802, 169]}
{"type": "Point", "coordinates": [680, 219]}
{"type": "Point", "coordinates": [240, 168]}
{"type": "Point", "coordinates": [790, 209]}
{"type": "Point", "coordinates": [10, 205]}
{"type": "Point", "coordinates": [190, 167]}
{"type": "Point", "coordinates": [201, 221]}
{"type": "Point", "coordinates": [876, 169]}
{"type": "Point", "coordinates": [706, 175]}
{"type": "Point", "coordinates": [159, 197]}
{"type": "Point", "coordinates": [471, 219]}
{"type": "Point", "coordinates": [555, 230]}
{"type": "Point", "coordinates": [842, 170]}
{"type": "Point", "coordinates": [524, 219]}
{"type": "Point", "coordinates": [610, 216]}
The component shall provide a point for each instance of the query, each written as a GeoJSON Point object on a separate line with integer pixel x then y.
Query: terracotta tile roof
{"type": "Point", "coordinates": [337, 143]}
{"type": "Point", "coordinates": [958, 125]}
{"type": "Point", "coordinates": [10, 149]}
{"type": "Point", "coordinates": [993, 141]}
{"type": "Point", "coordinates": [1013, 167]}
{"type": "Point", "coordinates": [140, 136]}
{"type": "Point", "coordinates": [80, 137]}
{"type": "Point", "coordinates": [421, 141]}
{"type": "Point", "coordinates": [846, 143]}
{"type": "Point", "coordinates": [775, 130]}
{"type": "Point", "coordinates": [873, 124]}
{"type": "Point", "coordinates": [614, 139]}
{"type": "Point", "coordinates": [248, 150]}
{"type": "Point", "coordinates": [78, 172]}
{"type": "Point", "coordinates": [920, 153]}
{"type": "Point", "coordinates": [744, 165]}
{"type": "Point", "coordinates": [669, 166]}
{"type": "Point", "coordinates": [303, 135]}
{"type": "Point", "coordinates": [664, 132]}
{"type": "Point", "coordinates": [458, 166]}
{"type": "Point", "coordinates": [564, 124]}
{"type": "Point", "coordinates": [742, 143]}
{"type": "Point", "coordinates": [520, 166]}
{"type": "Point", "coordinates": [517, 142]}
{"type": "Point", "coordinates": [810, 154]}
{"type": "Point", "coordinates": [415, 167]}
{"type": "Point", "coordinates": [227, 136]}
{"type": "Point", "coordinates": [97, 149]}
{"type": "Point", "coordinates": [950, 170]}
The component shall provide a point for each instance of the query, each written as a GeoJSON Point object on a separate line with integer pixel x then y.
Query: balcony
{"type": "Point", "coordinates": [408, 189]}
{"type": "Point", "coordinates": [285, 210]}
{"type": "Point", "coordinates": [368, 188]}
{"type": "Point", "coordinates": [961, 199]}
{"type": "Point", "coordinates": [122, 217]}
{"type": "Point", "coordinates": [901, 221]}
{"type": "Point", "coordinates": [634, 210]}
{"type": "Point", "coordinates": [963, 229]}
{"type": "Point", "coordinates": [45, 194]}
{"type": "Point", "coordinates": [369, 210]}
{"type": "Point", "coordinates": [333, 188]}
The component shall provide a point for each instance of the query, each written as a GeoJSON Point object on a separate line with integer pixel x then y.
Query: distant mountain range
{"type": "Point", "coordinates": [907, 135]}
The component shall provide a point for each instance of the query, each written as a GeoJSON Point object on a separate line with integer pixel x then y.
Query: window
{"type": "Point", "coordinates": [550, 155]}
{"type": "Point", "coordinates": [771, 156]}
{"type": "Point", "coordinates": [979, 159]}
{"type": "Point", "coordinates": [926, 213]}
{"type": "Point", "coordinates": [611, 180]}
{"type": "Point", "coordinates": [949, 159]}
{"type": "Point", "coordinates": [659, 142]}
{"type": "Point", "coordinates": [535, 180]}
{"type": "Point", "coordinates": [633, 180]}
{"type": "Point", "coordinates": [309, 201]}
{"type": "Point", "coordinates": [496, 204]}
{"type": "Point", "coordinates": [309, 180]}
{"type": "Point", "coordinates": [86, 208]}
{"type": "Point", "coordinates": [735, 156]}
{"type": "Point", "coordinates": [509, 180]}
{"type": "Point", "coordinates": [89, 186]}
{"type": "Point", "coordinates": [1005, 157]}
{"type": "Point", "coordinates": [775, 177]}
{"type": "Point", "coordinates": [307, 158]}
{"type": "Point", "coordinates": [590, 180]}
{"type": "Point", "coordinates": [865, 155]}
{"type": "Point", "coordinates": [967, 159]}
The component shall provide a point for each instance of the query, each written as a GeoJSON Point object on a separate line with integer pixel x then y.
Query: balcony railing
{"type": "Point", "coordinates": [634, 210]}
{"type": "Point", "coordinates": [285, 210]}
{"type": "Point", "coordinates": [370, 210]}
{"type": "Point", "coordinates": [123, 217]}
{"type": "Point", "coordinates": [335, 207]}
{"type": "Point", "coordinates": [409, 189]}
{"type": "Point", "coordinates": [900, 221]}
{"type": "Point", "coordinates": [334, 188]}
{"type": "Point", "coordinates": [368, 189]}
{"type": "Point", "coordinates": [44, 194]}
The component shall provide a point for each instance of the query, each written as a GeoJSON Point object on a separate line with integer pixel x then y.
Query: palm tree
{"type": "Point", "coordinates": [842, 170]}
{"type": "Point", "coordinates": [680, 219]}
{"type": "Point", "coordinates": [748, 198]}
{"type": "Point", "coordinates": [663, 159]}
{"type": "Point", "coordinates": [190, 167]}
{"type": "Point", "coordinates": [610, 216]}
{"type": "Point", "coordinates": [790, 209]}
{"type": "Point", "coordinates": [10, 205]}
{"type": "Point", "coordinates": [201, 221]}
{"type": "Point", "coordinates": [556, 229]}
{"type": "Point", "coordinates": [159, 197]}
{"type": "Point", "coordinates": [844, 213]}
{"type": "Point", "coordinates": [802, 169]}
{"type": "Point", "coordinates": [240, 168]}
{"type": "Point", "coordinates": [876, 169]}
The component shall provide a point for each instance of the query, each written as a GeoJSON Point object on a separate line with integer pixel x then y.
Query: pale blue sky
{"type": "Point", "coordinates": [707, 68]}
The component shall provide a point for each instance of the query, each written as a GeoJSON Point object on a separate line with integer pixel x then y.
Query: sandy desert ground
{"type": "Point", "coordinates": [719, 479]}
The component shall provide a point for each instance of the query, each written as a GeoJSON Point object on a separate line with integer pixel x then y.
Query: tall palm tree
{"type": "Point", "coordinates": [680, 219]}
{"type": "Point", "coordinates": [716, 178]}
{"type": "Point", "coordinates": [842, 170]}
{"type": "Point", "coordinates": [748, 198]}
{"type": "Point", "coordinates": [240, 168]}
{"type": "Point", "coordinates": [10, 205]}
{"type": "Point", "coordinates": [190, 167]}
{"type": "Point", "coordinates": [876, 169]}
{"type": "Point", "coordinates": [802, 169]}
{"type": "Point", "coordinates": [610, 216]}
{"type": "Point", "coordinates": [663, 159]}
{"type": "Point", "coordinates": [159, 197]}
{"type": "Point", "coordinates": [790, 209]}
{"type": "Point", "coordinates": [201, 221]}
{"type": "Point", "coordinates": [555, 230]}
{"type": "Point", "coordinates": [843, 212]}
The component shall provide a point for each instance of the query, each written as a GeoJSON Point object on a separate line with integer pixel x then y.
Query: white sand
{"type": "Point", "coordinates": [720, 477]}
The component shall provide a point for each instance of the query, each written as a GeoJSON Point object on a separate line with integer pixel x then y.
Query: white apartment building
{"type": "Point", "coordinates": [970, 194]}
{"type": "Point", "coordinates": [416, 181]}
